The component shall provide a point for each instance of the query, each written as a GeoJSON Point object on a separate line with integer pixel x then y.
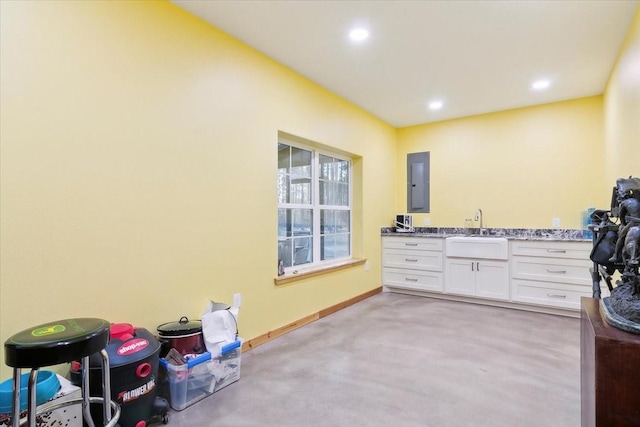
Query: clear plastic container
{"type": "Point", "coordinates": [202, 376]}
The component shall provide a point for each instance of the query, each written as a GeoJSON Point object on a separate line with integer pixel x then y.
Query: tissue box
{"type": "Point", "coordinates": [201, 376]}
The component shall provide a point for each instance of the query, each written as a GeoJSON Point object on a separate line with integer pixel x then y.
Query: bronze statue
{"type": "Point", "coordinates": [629, 214]}
{"type": "Point", "coordinates": [621, 242]}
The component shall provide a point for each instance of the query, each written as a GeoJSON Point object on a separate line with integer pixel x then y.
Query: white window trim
{"type": "Point", "coordinates": [304, 273]}
{"type": "Point", "coordinates": [317, 264]}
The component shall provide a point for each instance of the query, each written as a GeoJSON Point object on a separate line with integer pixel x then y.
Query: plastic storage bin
{"type": "Point", "coordinates": [226, 367]}
{"type": "Point", "coordinates": [201, 376]}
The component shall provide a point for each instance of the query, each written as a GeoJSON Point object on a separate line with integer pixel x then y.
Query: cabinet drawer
{"type": "Point", "coordinates": [417, 280]}
{"type": "Point", "coordinates": [413, 243]}
{"type": "Point", "coordinates": [564, 250]}
{"type": "Point", "coordinates": [415, 260]}
{"type": "Point", "coordinates": [551, 270]}
{"type": "Point", "coordinates": [563, 296]}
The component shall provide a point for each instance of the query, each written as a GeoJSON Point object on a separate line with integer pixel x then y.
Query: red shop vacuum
{"type": "Point", "coordinates": [133, 365]}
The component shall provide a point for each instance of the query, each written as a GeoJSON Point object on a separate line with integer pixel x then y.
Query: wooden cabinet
{"type": "Point", "coordinates": [550, 273]}
{"type": "Point", "coordinates": [609, 371]}
{"type": "Point", "coordinates": [412, 263]}
{"type": "Point", "coordinates": [479, 278]}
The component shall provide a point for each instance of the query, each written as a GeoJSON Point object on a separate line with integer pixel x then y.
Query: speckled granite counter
{"type": "Point", "coordinates": [561, 234]}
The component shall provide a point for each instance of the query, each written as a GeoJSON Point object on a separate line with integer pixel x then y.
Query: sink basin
{"type": "Point", "coordinates": [478, 247]}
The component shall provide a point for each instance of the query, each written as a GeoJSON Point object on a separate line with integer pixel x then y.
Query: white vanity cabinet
{"type": "Point", "coordinates": [548, 276]}
{"type": "Point", "coordinates": [412, 263]}
{"type": "Point", "coordinates": [477, 267]}
{"type": "Point", "coordinates": [550, 273]}
{"type": "Point", "coordinates": [478, 277]}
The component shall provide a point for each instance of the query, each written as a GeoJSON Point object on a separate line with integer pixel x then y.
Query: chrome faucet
{"type": "Point", "coordinates": [479, 218]}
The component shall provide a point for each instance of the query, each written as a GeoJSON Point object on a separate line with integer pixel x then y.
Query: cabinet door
{"type": "Point", "coordinates": [461, 277]}
{"type": "Point", "coordinates": [492, 280]}
{"type": "Point", "coordinates": [418, 182]}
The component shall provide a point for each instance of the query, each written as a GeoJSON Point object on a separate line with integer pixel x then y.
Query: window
{"type": "Point", "coordinates": [314, 206]}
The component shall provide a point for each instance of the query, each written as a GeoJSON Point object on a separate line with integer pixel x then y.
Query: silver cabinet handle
{"type": "Point", "coordinates": [556, 271]}
{"type": "Point", "coordinates": [472, 267]}
{"type": "Point", "coordinates": [410, 260]}
{"type": "Point", "coordinates": [409, 279]}
{"type": "Point", "coordinates": [556, 296]}
{"type": "Point", "coordinates": [556, 251]}
{"type": "Point", "coordinates": [478, 266]}
{"type": "Point", "coordinates": [411, 244]}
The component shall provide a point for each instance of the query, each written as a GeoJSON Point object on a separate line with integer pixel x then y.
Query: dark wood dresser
{"type": "Point", "coordinates": [609, 371]}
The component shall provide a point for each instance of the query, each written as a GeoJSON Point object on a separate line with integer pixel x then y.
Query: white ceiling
{"type": "Point", "coordinates": [475, 56]}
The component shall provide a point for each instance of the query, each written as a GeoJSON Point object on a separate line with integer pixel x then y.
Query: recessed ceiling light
{"type": "Point", "coordinates": [540, 84]}
{"type": "Point", "coordinates": [435, 105]}
{"type": "Point", "coordinates": [358, 34]}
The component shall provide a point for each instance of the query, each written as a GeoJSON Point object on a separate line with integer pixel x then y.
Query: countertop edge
{"type": "Point", "coordinates": [519, 234]}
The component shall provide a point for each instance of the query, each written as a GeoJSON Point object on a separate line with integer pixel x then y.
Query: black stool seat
{"type": "Point", "coordinates": [56, 342]}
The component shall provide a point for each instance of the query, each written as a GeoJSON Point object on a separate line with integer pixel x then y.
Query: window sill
{"type": "Point", "coordinates": [316, 271]}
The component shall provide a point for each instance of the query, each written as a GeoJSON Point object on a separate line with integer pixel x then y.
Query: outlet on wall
{"type": "Point", "coordinates": [237, 300]}
{"type": "Point", "coordinates": [366, 266]}
{"type": "Point", "coordinates": [427, 222]}
{"type": "Point", "coordinates": [555, 222]}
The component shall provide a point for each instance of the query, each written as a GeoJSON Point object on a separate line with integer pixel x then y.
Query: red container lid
{"type": "Point", "coordinates": [118, 330]}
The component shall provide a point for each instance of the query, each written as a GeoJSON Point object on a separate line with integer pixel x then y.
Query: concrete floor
{"type": "Point", "coordinates": [400, 360]}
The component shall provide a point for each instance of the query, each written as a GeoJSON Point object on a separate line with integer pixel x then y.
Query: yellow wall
{"type": "Point", "coordinates": [138, 166]}
{"type": "Point", "coordinates": [622, 111]}
{"type": "Point", "coordinates": [521, 167]}
{"type": "Point", "coordinates": [138, 169]}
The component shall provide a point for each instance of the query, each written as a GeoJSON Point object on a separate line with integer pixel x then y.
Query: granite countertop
{"type": "Point", "coordinates": [560, 234]}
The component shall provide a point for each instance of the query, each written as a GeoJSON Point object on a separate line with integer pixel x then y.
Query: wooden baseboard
{"type": "Point", "coordinates": [255, 342]}
{"type": "Point", "coordinates": [347, 303]}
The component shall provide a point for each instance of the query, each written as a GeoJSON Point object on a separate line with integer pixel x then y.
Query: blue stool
{"type": "Point", "coordinates": [61, 342]}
